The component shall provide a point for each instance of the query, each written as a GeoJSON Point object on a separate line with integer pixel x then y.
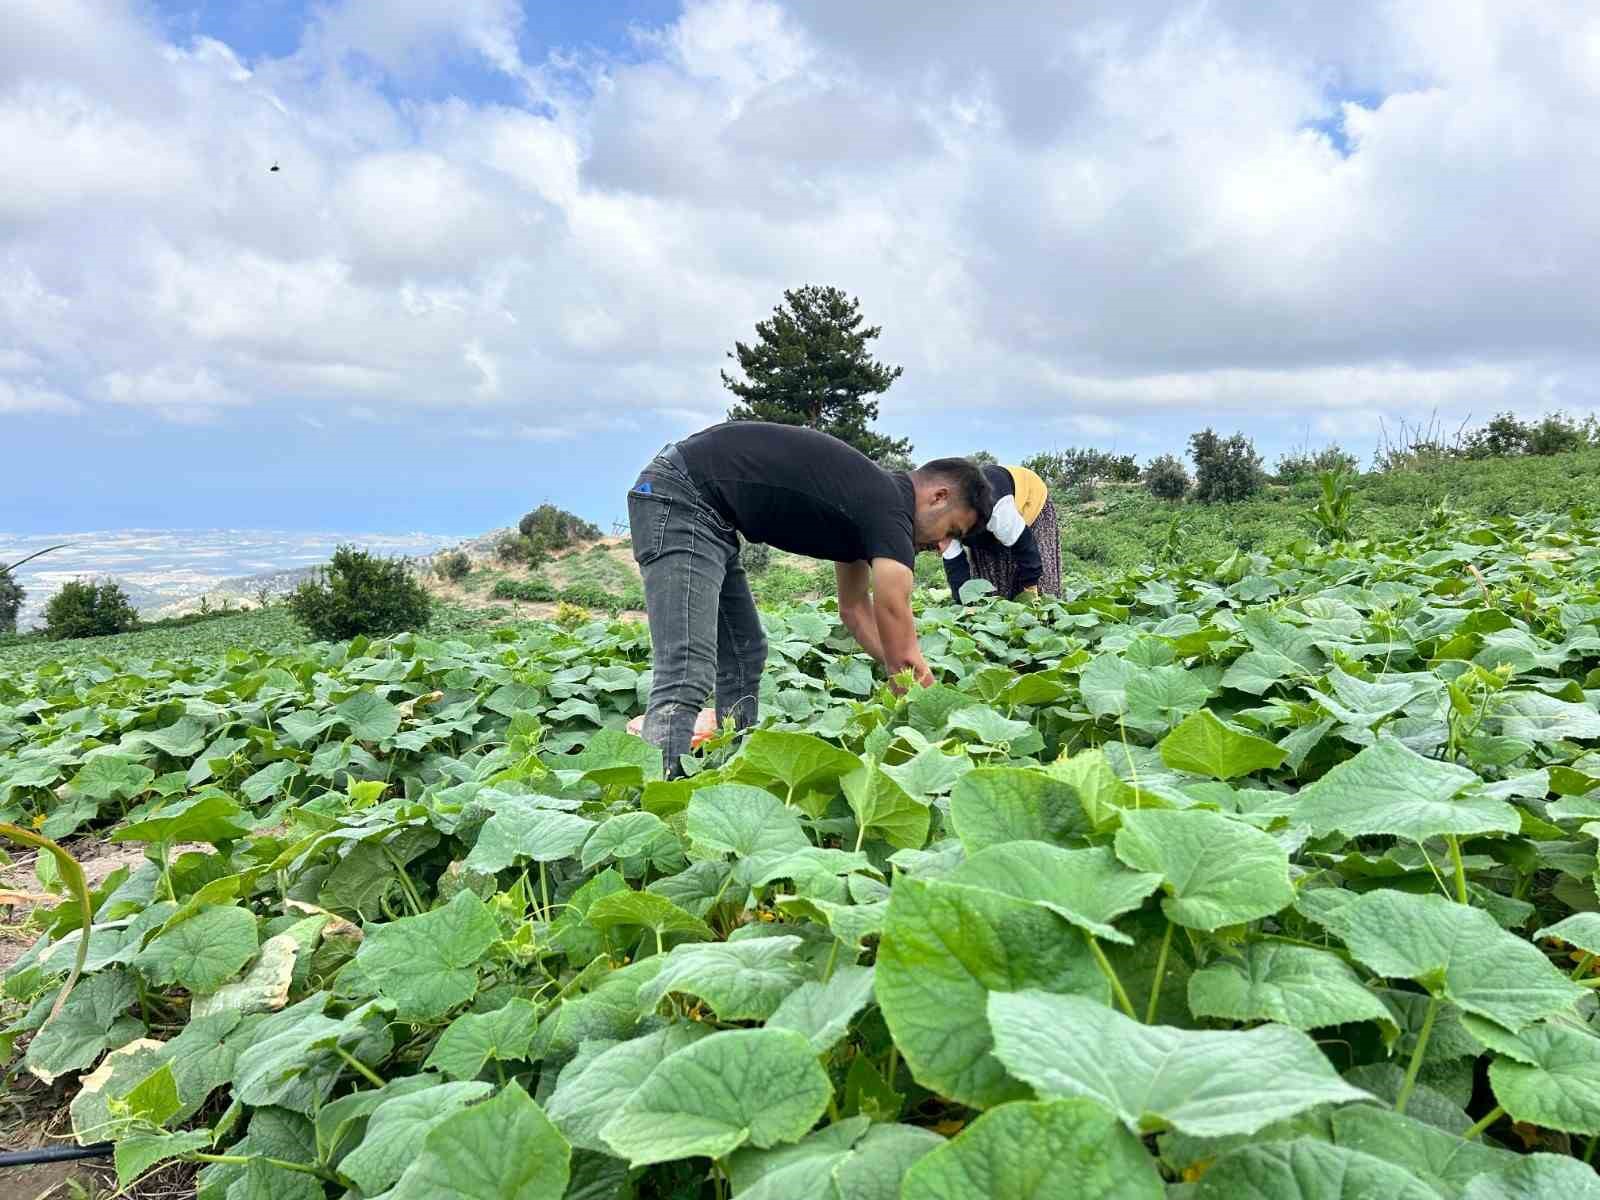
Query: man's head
{"type": "Point", "coordinates": [953, 499]}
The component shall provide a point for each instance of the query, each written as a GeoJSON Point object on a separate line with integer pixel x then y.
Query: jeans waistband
{"type": "Point", "coordinates": [671, 453]}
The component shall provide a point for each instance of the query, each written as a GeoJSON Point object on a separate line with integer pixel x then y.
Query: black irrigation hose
{"type": "Point", "coordinates": [49, 1154]}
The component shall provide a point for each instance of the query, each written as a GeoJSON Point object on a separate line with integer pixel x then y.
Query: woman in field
{"type": "Point", "coordinates": [1019, 550]}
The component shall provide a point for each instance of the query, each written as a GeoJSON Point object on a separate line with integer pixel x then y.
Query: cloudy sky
{"type": "Point", "coordinates": [510, 242]}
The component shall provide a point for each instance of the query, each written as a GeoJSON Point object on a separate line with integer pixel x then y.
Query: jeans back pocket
{"type": "Point", "coordinates": [648, 511]}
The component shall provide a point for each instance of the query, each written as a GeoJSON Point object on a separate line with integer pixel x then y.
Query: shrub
{"type": "Point", "coordinates": [570, 616]}
{"type": "Point", "coordinates": [1503, 437]}
{"type": "Point", "coordinates": [756, 556]}
{"type": "Point", "coordinates": [358, 593]}
{"type": "Point", "coordinates": [1165, 478]}
{"type": "Point", "coordinates": [549, 528]}
{"type": "Point", "coordinates": [12, 594]}
{"type": "Point", "coordinates": [82, 609]}
{"type": "Point", "coordinates": [1063, 470]}
{"type": "Point", "coordinates": [1302, 464]}
{"type": "Point", "coordinates": [453, 565]}
{"type": "Point", "coordinates": [1225, 469]}
{"type": "Point", "coordinates": [1556, 433]}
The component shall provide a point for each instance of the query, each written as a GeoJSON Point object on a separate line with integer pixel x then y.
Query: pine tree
{"type": "Point", "coordinates": [810, 365]}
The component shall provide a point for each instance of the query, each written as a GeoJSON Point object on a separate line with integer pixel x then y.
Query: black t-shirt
{"type": "Point", "coordinates": [803, 491]}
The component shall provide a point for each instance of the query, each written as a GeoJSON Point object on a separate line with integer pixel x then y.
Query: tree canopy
{"type": "Point", "coordinates": [811, 365]}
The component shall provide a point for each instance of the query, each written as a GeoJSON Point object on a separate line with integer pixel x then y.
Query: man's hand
{"type": "Point", "coordinates": [897, 629]}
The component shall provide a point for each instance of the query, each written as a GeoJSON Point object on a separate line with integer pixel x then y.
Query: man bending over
{"type": "Point", "coordinates": [801, 491]}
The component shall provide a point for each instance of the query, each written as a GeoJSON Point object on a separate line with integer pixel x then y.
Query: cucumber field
{"type": "Point", "coordinates": [1266, 876]}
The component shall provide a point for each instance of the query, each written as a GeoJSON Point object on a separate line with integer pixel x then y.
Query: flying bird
{"type": "Point", "coordinates": [273, 167]}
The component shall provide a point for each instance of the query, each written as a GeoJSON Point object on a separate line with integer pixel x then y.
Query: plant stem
{"type": "Point", "coordinates": [659, 949]}
{"type": "Point", "coordinates": [1494, 1115]}
{"type": "Point", "coordinates": [894, 1064]}
{"type": "Point", "coordinates": [544, 892]}
{"type": "Point", "coordinates": [1110, 972]}
{"type": "Point", "coordinates": [1417, 1055]}
{"type": "Point", "coordinates": [1461, 869]}
{"type": "Point", "coordinates": [359, 1067]}
{"type": "Point", "coordinates": [1588, 1154]}
{"type": "Point", "coordinates": [1583, 965]}
{"type": "Point", "coordinates": [833, 957]}
{"type": "Point", "coordinates": [245, 1160]}
{"type": "Point", "coordinates": [1155, 984]}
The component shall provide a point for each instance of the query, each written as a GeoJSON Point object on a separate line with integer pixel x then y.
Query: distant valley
{"type": "Point", "coordinates": [167, 571]}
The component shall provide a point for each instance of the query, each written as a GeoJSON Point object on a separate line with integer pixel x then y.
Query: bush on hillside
{"type": "Point", "coordinates": [755, 557]}
{"type": "Point", "coordinates": [1225, 469]}
{"type": "Point", "coordinates": [1063, 470]}
{"type": "Point", "coordinates": [12, 595]}
{"type": "Point", "coordinates": [82, 609]}
{"type": "Point", "coordinates": [549, 528]}
{"type": "Point", "coordinates": [359, 593]}
{"type": "Point", "coordinates": [453, 565]}
{"type": "Point", "coordinates": [1558, 433]}
{"type": "Point", "coordinates": [1303, 464]}
{"type": "Point", "coordinates": [1165, 478]}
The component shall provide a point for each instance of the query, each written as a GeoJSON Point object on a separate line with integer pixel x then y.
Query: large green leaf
{"type": "Point", "coordinates": [1203, 745]}
{"type": "Point", "coordinates": [1293, 985]}
{"type": "Point", "coordinates": [647, 910]}
{"type": "Point", "coordinates": [1443, 1160]}
{"type": "Point", "coordinates": [883, 809]}
{"type": "Point", "coordinates": [522, 827]}
{"type": "Point", "coordinates": [1546, 1074]}
{"type": "Point", "coordinates": [1308, 1170]}
{"type": "Point", "coordinates": [613, 758]}
{"type": "Point", "coordinates": [1154, 1077]}
{"type": "Point", "coordinates": [590, 1092]}
{"type": "Point", "coordinates": [798, 761]}
{"type": "Point", "coordinates": [472, 1039]}
{"type": "Point", "coordinates": [502, 1149]}
{"type": "Point", "coordinates": [741, 981]}
{"type": "Point", "coordinates": [747, 822]}
{"type": "Point", "coordinates": [756, 1087]}
{"type": "Point", "coordinates": [944, 948]}
{"type": "Point", "coordinates": [823, 1011]}
{"type": "Point", "coordinates": [852, 1159]}
{"type": "Point", "coordinates": [928, 773]}
{"type": "Point", "coordinates": [1390, 789]}
{"type": "Point", "coordinates": [203, 951]}
{"type": "Point", "coordinates": [1457, 952]}
{"type": "Point", "coordinates": [92, 1020]}
{"type": "Point", "coordinates": [369, 716]}
{"type": "Point", "coordinates": [1038, 1151]}
{"type": "Point", "coordinates": [208, 818]}
{"type": "Point", "coordinates": [1538, 1177]}
{"type": "Point", "coordinates": [1089, 887]}
{"type": "Point", "coordinates": [111, 777]}
{"type": "Point", "coordinates": [1217, 871]}
{"type": "Point", "coordinates": [398, 1128]}
{"type": "Point", "coordinates": [427, 964]}
{"type": "Point", "coordinates": [1012, 804]}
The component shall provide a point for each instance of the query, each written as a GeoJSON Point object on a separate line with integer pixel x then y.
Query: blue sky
{"type": "Point", "coordinates": [511, 242]}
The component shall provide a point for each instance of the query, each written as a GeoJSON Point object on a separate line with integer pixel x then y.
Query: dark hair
{"type": "Point", "coordinates": [967, 479]}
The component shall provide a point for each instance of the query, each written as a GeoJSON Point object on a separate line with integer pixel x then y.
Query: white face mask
{"type": "Point", "coordinates": [1006, 522]}
{"type": "Point", "coordinates": [954, 549]}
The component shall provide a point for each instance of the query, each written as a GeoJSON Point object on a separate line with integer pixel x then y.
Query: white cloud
{"type": "Point", "coordinates": [1112, 221]}
{"type": "Point", "coordinates": [18, 397]}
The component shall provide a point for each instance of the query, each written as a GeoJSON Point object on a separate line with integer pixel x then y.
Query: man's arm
{"type": "Point", "coordinates": [1030, 567]}
{"type": "Point", "coordinates": [854, 580]}
{"type": "Point", "coordinates": [957, 571]}
{"type": "Point", "coordinates": [897, 629]}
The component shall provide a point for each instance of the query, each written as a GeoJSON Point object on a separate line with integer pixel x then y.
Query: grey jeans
{"type": "Point", "coordinates": [704, 631]}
